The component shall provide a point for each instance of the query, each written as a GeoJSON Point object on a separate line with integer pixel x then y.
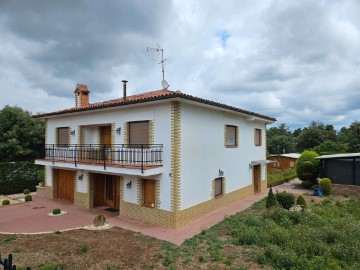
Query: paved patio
{"type": "Point", "coordinates": [31, 217]}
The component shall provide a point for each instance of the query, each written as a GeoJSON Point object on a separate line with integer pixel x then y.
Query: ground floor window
{"type": "Point", "coordinates": [149, 192]}
{"type": "Point", "coordinates": [218, 186]}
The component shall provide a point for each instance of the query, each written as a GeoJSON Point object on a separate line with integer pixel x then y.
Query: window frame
{"type": "Point", "coordinates": [235, 144]}
{"type": "Point", "coordinates": [257, 136]}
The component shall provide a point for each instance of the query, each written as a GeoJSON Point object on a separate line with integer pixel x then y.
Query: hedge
{"type": "Point", "coordinates": [17, 176]}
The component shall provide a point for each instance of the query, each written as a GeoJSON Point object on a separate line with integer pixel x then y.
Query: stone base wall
{"type": "Point", "coordinates": [190, 214]}
{"type": "Point", "coordinates": [46, 191]}
{"type": "Point", "coordinates": [82, 199]}
{"type": "Point", "coordinates": [151, 215]}
{"type": "Point", "coordinates": [183, 217]}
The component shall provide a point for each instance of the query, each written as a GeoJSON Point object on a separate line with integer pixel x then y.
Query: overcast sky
{"type": "Point", "coordinates": [297, 61]}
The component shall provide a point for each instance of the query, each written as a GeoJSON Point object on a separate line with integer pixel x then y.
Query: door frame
{"type": "Point", "coordinates": [100, 189]}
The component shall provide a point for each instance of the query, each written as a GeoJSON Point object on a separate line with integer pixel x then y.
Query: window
{"type": "Point", "coordinates": [63, 136]}
{"type": "Point", "coordinates": [230, 136]}
{"type": "Point", "coordinates": [218, 186]}
{"type": "Point", "coordinates": [139, 132]}
{"type": "Point", "coordinates": [292, 164]}
{"type": "Point", "coordinates": [257, 136]}
{"type": "Point", "coordinates": [149, 192]}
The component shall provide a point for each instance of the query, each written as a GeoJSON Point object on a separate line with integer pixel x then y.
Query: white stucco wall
{"type": "Point", "coordinates": [81, 185]}
{"type": "Point", "coordinates": [203, 152]}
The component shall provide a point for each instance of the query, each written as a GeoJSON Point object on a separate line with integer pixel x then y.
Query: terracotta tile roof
{"type": "Point", "coordinates": [151, 96]}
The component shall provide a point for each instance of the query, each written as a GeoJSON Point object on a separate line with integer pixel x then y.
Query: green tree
{"type": "Point", "coordinates": [306, 172]}
{"type": "Point", "coordinates": [279, 140]}
{"type": "Point", "coordinates": [311, 136]}
{"type": "Point", "coordinates": [21, 136]}
{"type": "Point", "coordinates": [330, 147]}
{"type": "Point", "coordinates": [351, 137]}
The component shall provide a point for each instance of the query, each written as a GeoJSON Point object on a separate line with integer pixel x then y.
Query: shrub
{"type": "Point", "coordinates": [56, 211]}
{"type": "Point", "coordinates": [325, 186]}
{"type": "Point", "coordinates": [28, 198]}
{"type": "Point", "coordinates": [17, 176]}
{"type": "Point", "coordinates": [26, 191]}
{"type": "Point", "coordinates": [6, 202]}
{"type": "Point", "coordinates": [301, 201]}
{"type": "Point", "coordinates": [270, 199]}
{"type": "Point", "coordinates": [310, 173]}
{"type": "Point", "coordinates": [286, 200]}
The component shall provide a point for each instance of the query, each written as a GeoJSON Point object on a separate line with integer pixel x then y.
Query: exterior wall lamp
{"type": "Point", "coordinates": [128, 184]}
{"type": "Point", "coordinates": [250, 166]}
{"type": "Point", "coordinates": [118, 130]}
{"type": "Point", "coordinates": [72, 132]}
{"type": "Point", "coordinates": [81, 177]}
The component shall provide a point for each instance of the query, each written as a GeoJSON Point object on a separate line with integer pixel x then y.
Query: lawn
{"type": "Point", "coordinates": [326, 236]}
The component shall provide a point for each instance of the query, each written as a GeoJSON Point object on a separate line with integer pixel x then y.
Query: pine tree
{"type": "Point", "coordinates": [270, 199]}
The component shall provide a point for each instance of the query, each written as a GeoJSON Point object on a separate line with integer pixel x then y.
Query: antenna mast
{"type": "Point", "coordinates": [160, 50]}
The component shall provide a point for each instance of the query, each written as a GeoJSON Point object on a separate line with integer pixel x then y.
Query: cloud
{"type": "Point", "coordinates": [295, 60]}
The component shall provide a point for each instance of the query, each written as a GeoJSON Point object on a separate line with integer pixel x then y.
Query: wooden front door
{"type": "Point", "coordinates": [149, 192]}
{"type": "Point", "coordinates": [106, 190]}
{"type": "Point", "coordinates": [65, 184]}
{"type": "Point", "coordinates": [256, 177]}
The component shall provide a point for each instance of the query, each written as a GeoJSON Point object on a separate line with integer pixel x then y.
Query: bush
{"type": "Point", "coordinates": [270, 199]}
{"type": "Point", "coordinates": [26, 191]}
{"type": "Point", "coordinates": [5, 202]}
{"type": "Point", "coordinates": [301, 201]}
{"type": "Point", "coordinates": [286, 200]}
{"type": "Point", "coordinates": [56, 211]}
{"type": "Point", "coordinates": [17, 176]}
{"type": "Point", "coordinates": [325, 186]}
{"type": "Point", "coordinates": [310, 173]}
{"type": "Point", "coordinates": [28, 198]}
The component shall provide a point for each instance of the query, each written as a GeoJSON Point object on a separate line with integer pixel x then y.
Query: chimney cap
{"type": "Point", "coordinates": [124, 81]}
{"type": "Point", "coordinates": [82, 88]}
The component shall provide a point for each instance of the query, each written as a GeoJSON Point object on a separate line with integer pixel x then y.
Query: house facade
{"type": "Point", "coordinates": [163, 157]}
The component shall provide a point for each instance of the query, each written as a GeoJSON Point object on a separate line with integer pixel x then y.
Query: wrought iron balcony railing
{"type": "Point", "coordinates": [117, 154]}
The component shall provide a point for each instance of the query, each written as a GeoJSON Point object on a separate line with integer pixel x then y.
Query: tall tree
{"type": "Point", "coordinates": [351, 137]}
{"type": "Point", "coordinates": [279, 140]}
{"type": "Point", "coordinates": [21, 136]}
{"type": "Point", "coordinates": [311, 136]}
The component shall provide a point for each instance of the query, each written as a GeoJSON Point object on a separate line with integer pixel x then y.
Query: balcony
{"type": "Point", "coordinates": [133, 156]}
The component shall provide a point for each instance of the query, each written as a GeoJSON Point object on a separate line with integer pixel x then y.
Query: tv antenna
{"type": "Point", "coordinates": [159, 50]}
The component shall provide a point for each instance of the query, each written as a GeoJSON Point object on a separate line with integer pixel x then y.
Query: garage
{"type": "Point", "coordinates": [65, 184]}
{"type": "Point", "coordinates": [341, 168]}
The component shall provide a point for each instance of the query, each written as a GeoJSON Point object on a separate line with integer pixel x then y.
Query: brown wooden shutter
{"type": "Point", "coordinates": [149, 192]}
{"type": "Point", "coordinates": [139, 132]}
{"type": "Point", "coordinates": [63, 136]}
{"type": "Point", "coordinates": [218, 186]}
{"type": "Point", "coordinates": [230, 135]}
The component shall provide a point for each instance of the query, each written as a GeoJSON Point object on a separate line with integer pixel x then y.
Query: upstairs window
{"type": "Point", "coordinates": [139, 132]}
{"type": "Point", "coordinates": [63, 138]}
{"type": "Point", "coordinates": [257, 137]}
{"type": "Point", "coordinates": [230, 136]}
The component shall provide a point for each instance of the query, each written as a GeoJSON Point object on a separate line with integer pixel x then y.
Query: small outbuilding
{"type": "Point", "coordinates": [341, 168]}
{"type": "Point", "coordinates": [282, 161]}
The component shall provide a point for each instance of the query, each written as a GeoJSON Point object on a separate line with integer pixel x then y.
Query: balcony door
{"type": "Point", "coordinates": [105, 135]}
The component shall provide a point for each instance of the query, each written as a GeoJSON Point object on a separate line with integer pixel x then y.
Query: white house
{"type": "Point", "coordinates": [164, 156]}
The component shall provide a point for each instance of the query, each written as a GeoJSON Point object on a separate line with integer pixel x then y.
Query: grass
{"type": "Point", "coordinates": [273, 177]}
{"type": "Point", "coordinates": [323, 237]}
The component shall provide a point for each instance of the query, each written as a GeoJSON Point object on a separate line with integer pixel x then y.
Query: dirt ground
{"type": "Point", "coordinates": [114, 248]}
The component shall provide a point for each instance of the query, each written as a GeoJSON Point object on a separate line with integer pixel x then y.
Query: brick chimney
{"type": "Point", "coordinates": [81, 95]}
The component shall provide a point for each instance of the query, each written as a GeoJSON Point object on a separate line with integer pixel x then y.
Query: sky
{"type": "Point", "coordinates": [297, 61]}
